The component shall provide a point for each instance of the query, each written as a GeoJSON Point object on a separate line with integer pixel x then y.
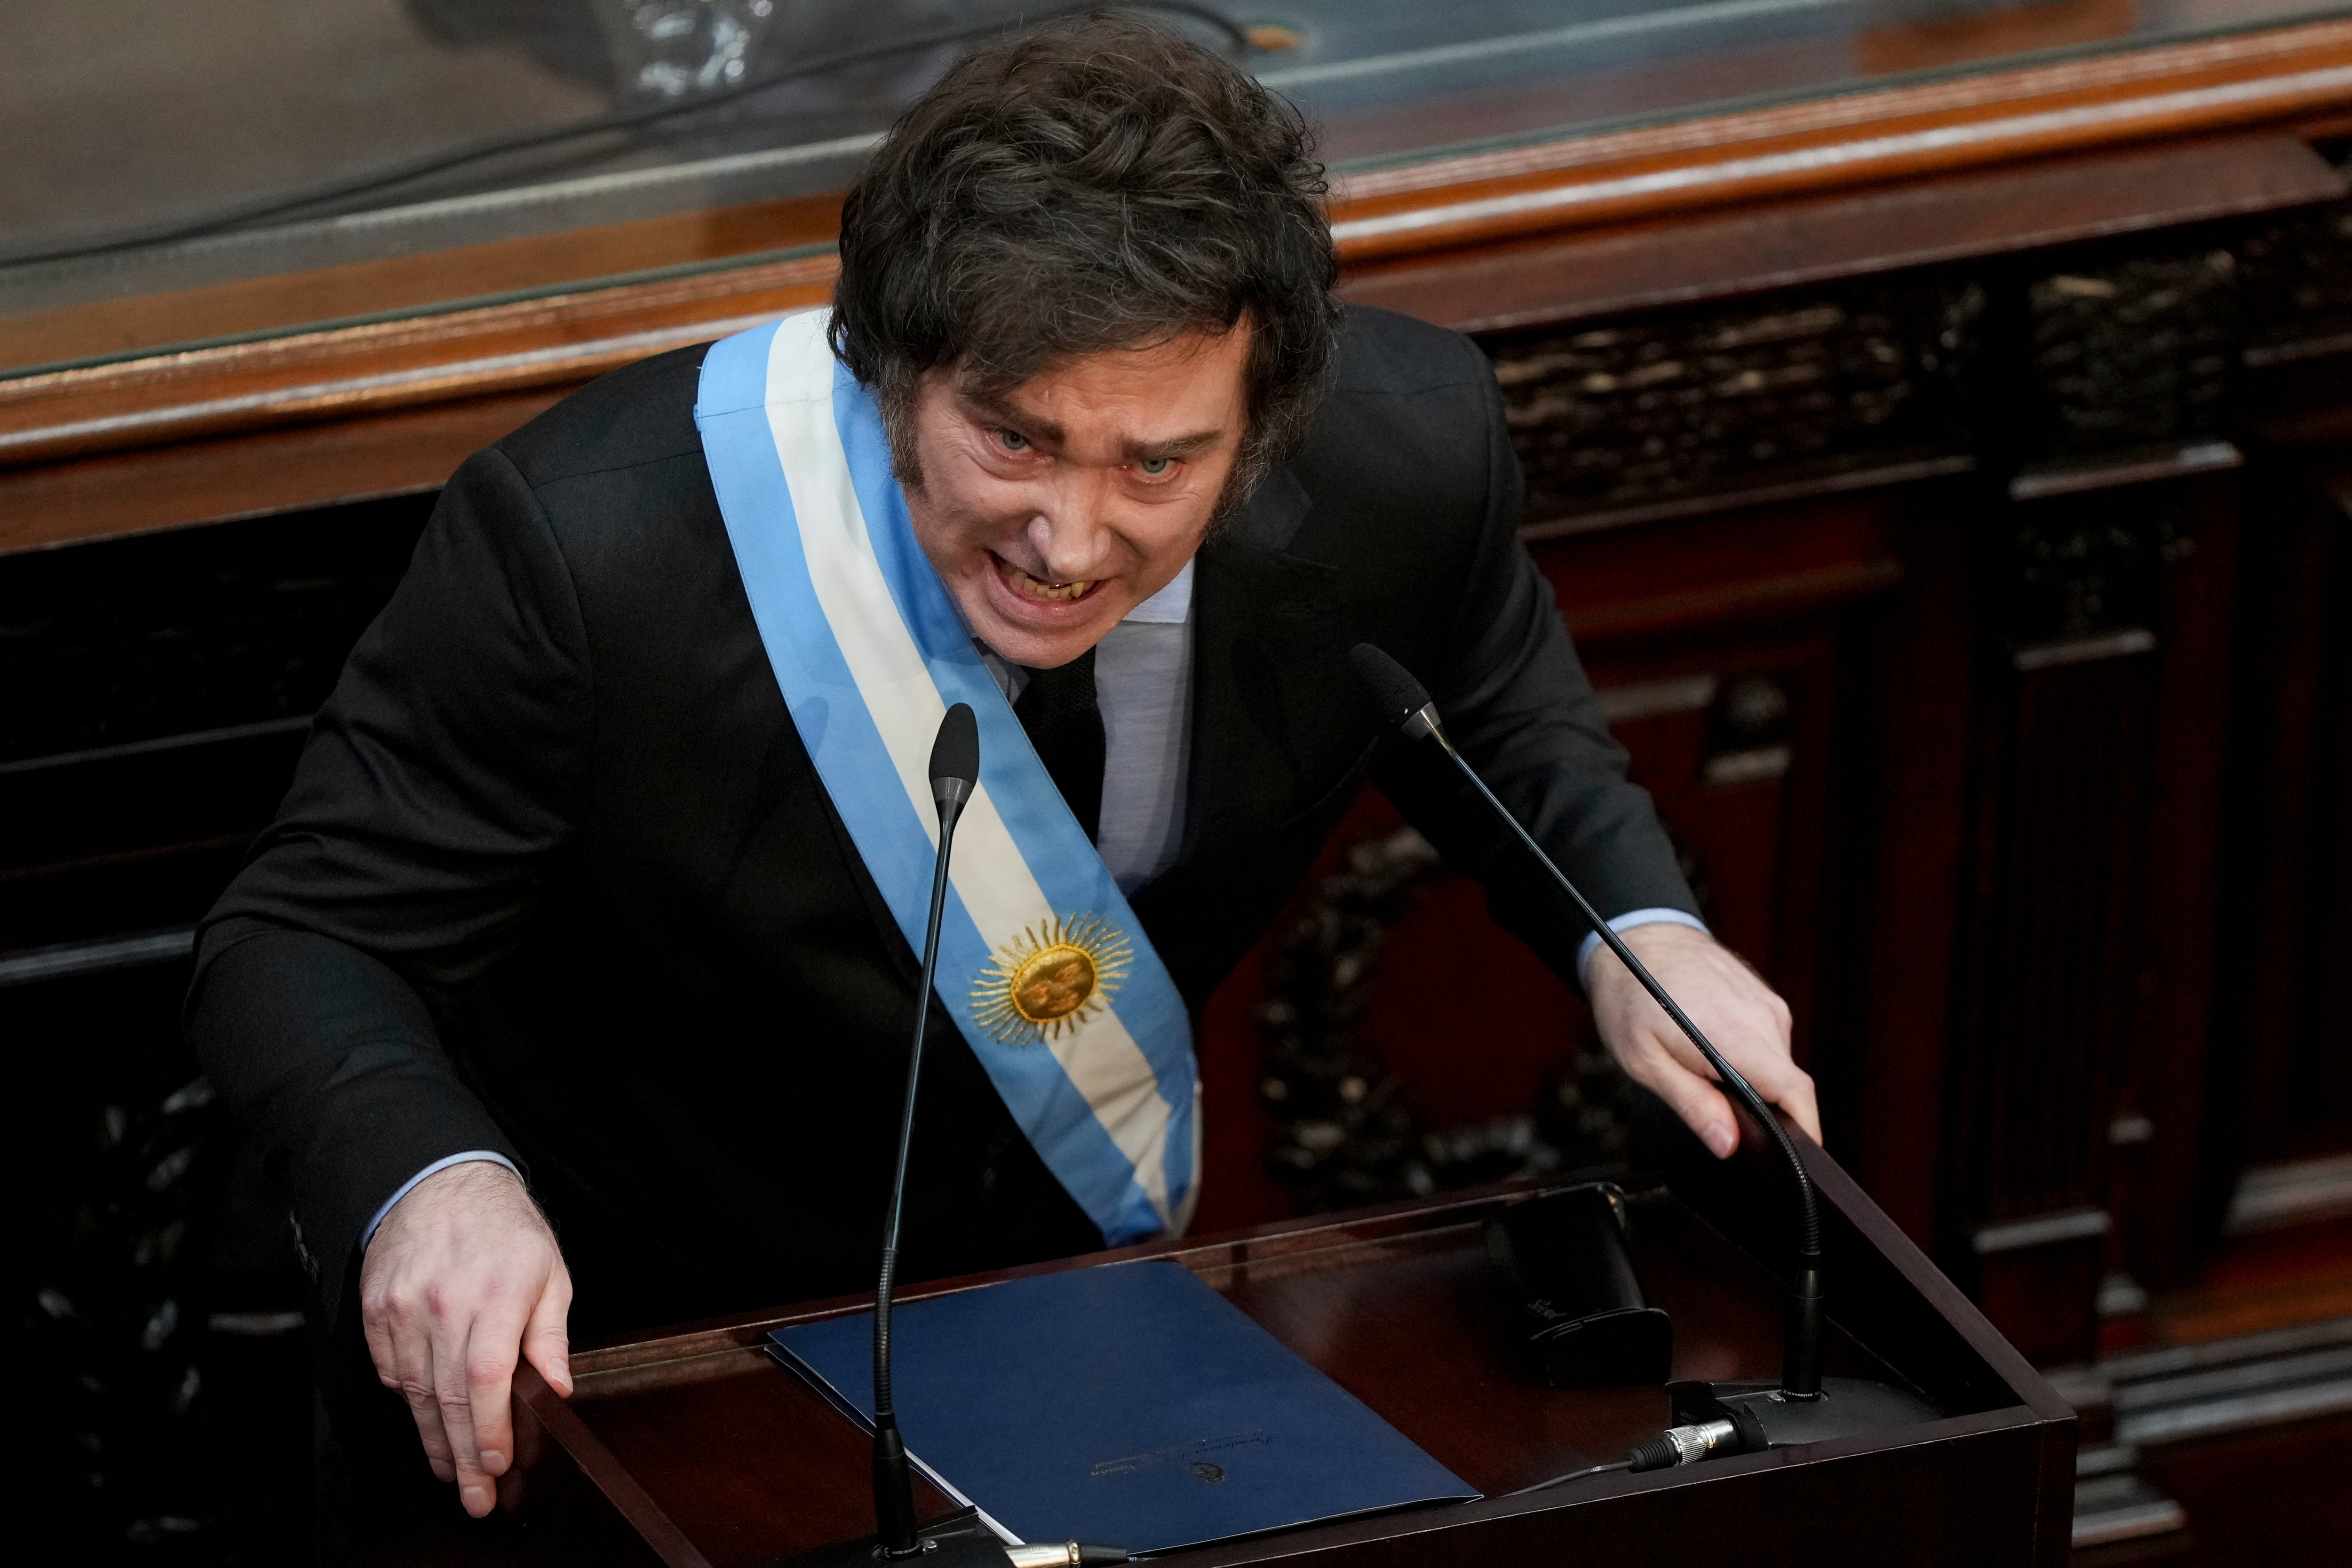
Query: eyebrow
{"type": "Point", "coordinates": [1176, 446]}
{"type": "Point", "coordinates": [1049, 431]}
{"type": "Point", "coordinates": [1028, 424]}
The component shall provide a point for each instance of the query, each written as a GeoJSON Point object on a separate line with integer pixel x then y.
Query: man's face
{"type": "Point", "coordinates": [1052, 512]}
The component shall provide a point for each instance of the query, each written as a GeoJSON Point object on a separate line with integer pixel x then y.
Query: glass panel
{"type": "Point", "coordinates": [135, 127]}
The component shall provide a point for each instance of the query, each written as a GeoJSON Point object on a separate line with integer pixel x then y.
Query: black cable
{"type": "Point", "coordinates": [1571, 1476]}
{"type": "Point", "coordinates": [402, 171]}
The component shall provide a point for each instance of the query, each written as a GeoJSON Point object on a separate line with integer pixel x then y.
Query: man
{"type": "Point", "coordinates": [605, 858]}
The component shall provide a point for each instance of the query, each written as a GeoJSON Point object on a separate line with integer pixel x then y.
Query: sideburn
{"type": "Point", "coordinates": [896, 397]}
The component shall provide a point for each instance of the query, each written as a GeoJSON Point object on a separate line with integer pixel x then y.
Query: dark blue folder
{"type": "Point", "coordinates": [1129, 1404]}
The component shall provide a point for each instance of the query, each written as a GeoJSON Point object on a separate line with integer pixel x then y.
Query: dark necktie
{"type": "Point", "coordinates": [1059, 711]}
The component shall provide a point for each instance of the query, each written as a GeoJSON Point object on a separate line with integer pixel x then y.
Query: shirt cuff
{"type": "Point", "coordinates": [1620, 924]}
{"type": "Point", "coordinates": [409, 1185]}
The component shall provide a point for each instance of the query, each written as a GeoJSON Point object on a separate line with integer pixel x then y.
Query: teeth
{"type": "Point", "coordinates": [1036, 589]}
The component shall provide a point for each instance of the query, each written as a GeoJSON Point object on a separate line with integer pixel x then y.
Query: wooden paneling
{"type": "Point", "coordinates": [2079, 1126]}
{"type": "Point", "coordinates": [2049, 986]}
{"type": "Point", "coordinates": [2279, 1055]}
{"type": "Point", "coordinates": [1904, 783]}
{"type": "Point", "coordinates": [2160, 1126]}
{"type": "Point", "coordinates": [2256, 1498]}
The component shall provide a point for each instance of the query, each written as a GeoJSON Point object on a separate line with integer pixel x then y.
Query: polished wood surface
{"type": "Point", "coordinates": [720, 1457]}
{"type": "Point", "coordinates": [345, 372]}
{"type": "Point", "coordinates": [435, 282]}
{"type": "Point", "coordinates": [1852, 139]}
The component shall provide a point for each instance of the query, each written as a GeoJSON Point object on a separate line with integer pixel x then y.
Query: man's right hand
{"type": "Point", "coordinates": [464, 1277]}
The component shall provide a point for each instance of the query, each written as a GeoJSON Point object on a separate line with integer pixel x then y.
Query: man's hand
{"type": "Point", "coordinates": [1743, 1018]}
{"type": "Point", "coordinates": [463, 1274]}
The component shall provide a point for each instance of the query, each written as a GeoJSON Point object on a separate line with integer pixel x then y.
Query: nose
{"type": "Point", "coordinates": [1071, 529]}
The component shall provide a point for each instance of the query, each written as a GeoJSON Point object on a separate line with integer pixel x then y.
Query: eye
{"type": "Point", "coordinates": [1012, 440]}
{"type": "Point", "coordinates": [1154, 468]}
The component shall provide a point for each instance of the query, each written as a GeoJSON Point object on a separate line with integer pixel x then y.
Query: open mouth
{"type": "Point", "coordinates": [1040, 590]}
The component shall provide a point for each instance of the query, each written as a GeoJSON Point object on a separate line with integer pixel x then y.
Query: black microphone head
{"type": "Point", "coordinates": [956, 753]}
{"type": "Point", "coordinates": [1389, 684]}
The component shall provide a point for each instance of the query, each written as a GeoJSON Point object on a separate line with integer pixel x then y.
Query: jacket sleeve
{"type": "Point", "coordinates": [1518, 703]}
{"type": "Point", "coordinates": [435, 796]}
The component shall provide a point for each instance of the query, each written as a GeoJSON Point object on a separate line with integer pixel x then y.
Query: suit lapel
{"type": "Point", "coordinates": [1280, 740]}
{"type": "Point", "coordinates": [1263, 651]}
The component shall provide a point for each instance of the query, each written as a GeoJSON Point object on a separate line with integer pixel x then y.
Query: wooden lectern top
{"type": "Point", "coordinates": [695, 1450]}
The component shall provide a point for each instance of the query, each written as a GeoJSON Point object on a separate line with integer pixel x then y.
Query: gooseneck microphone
{"type": "Point", "coordinates": [1408, 705]}
{"type": "Point", "coordinates": [955, 773]}
{"type": "Point", "coordinates": [961, 1540]}
{"type": "Point", "coordinates": [1712, 1419]}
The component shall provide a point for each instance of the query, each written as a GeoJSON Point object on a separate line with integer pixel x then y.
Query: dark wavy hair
{"type": "Point", "coordinates": [1097, 183]}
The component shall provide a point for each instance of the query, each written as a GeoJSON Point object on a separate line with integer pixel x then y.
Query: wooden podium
{"type": "Point", "coordinates": [694, 1448]}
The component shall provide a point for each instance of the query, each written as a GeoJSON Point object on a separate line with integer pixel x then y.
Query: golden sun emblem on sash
{"type": "Point", "coordinates": [1050, 978]}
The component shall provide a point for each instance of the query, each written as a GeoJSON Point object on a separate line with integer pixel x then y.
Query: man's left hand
{"type": "Point", "coordinates": [1740, 1016]}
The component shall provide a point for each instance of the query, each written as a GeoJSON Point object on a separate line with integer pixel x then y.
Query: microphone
{"type": "Point", "coordinates": [1738, 1418]}
{"type": "Point", "coordinates": [955, 773]}
{"type": "Point", "coordinates": [959, 1540]}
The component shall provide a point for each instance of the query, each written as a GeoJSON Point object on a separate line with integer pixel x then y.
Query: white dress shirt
{"type": "Point", "coordinates": [1143, 683]}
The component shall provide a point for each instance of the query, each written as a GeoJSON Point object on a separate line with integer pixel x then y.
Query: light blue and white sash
{"type": "Point", "coordinates": [1042, 963]}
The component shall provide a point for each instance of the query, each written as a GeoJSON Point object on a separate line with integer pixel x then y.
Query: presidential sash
{"type": "Point", "coordinates": [1042, 964]}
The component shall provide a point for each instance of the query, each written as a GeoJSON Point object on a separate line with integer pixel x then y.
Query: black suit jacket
{"type": "Point", "coordinates": [556, 876]}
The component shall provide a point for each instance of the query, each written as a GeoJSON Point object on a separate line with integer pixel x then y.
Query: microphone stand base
{"type": "Point", "coordinates": [954, 1540]}
{"type": "Point", "coordinates": [1766, 1419]}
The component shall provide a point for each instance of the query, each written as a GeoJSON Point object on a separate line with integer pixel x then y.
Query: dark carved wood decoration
{"type": "Point", "coordinates": [2141, 355]}
{"type": "Point", "coordinates": [1620, 416]}
{"type": "Point", "coordinates": [1346, 1133]}
{"type": "Point", "coordinates": [2297, 277]}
